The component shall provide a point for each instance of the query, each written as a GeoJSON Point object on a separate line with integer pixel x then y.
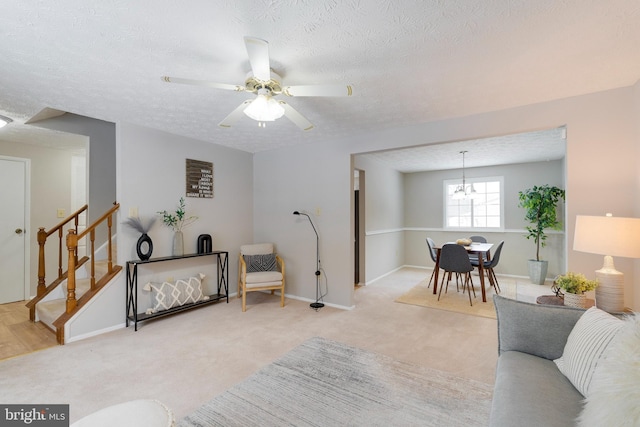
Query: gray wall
{"type": "Point", "coordinates": [101, 164]}
{"type": "Point", "coordinates": [424, 215]}
{"type": "Point", "coordinates": [601, 171]}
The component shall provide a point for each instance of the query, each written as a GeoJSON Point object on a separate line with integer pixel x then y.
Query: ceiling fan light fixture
{"type": "Point", "coordinates": [264, 108]}
{"type": "Point", "coordinates": [4, 121]}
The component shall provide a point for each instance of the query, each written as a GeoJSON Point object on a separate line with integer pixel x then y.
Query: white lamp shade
{"type": "Point", "coordinates": [607, 235]}
{"type": "Point", "coordinates": [264, 109]}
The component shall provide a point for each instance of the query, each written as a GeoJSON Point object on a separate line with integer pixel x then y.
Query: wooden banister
{"type": "Point", "coordinates": [72, 247]}
{"type": "Point", "coordinates": [73, 237]}
{"type": "Point", "coordinates": [42, 240]}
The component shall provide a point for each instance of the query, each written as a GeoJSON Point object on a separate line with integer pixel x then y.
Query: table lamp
{"type": "Point", "coordinates": [609, 236]}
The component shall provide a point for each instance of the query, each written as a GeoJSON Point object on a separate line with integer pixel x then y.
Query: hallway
{"type": "Point", "coordinates": [18, 335]}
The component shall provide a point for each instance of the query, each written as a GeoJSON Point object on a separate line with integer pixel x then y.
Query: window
{"type": "Point", "coordinates": [482, 210]}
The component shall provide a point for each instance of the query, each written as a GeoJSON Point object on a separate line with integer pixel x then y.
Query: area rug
{"type": "Point", "coordinates": [326, 383]}
{"type": "Point", "coordinates": [457, 301]}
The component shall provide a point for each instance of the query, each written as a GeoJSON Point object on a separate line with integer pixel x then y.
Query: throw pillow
{"type": "Point", "coordinates": [615, 389]}
{"type": "Point", "coordinates": [167, 295]}
{"type": "Point", "coordinates": [255, 263]}
{"type": "Point", "coordinates": [586, 344]}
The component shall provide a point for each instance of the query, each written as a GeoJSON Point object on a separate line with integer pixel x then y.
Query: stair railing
{"type": "Point", "coordinates": [42, 239]}
{"type": "Point", "coordinates": [72, 246]}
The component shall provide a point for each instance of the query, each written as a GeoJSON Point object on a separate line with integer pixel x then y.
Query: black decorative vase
{"type": "Point", "coordinates": [205, 244]}
{"type": "Point", "coordinates": [144, 247]}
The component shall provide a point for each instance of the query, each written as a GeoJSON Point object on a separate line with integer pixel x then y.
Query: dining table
{"type": "Point", "coordinates": [482, 250]}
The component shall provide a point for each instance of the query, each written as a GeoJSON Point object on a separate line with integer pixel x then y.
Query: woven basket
{"type": "Point", "coordinates": [575, 300]}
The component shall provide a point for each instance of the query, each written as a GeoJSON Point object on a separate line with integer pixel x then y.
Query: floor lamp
{"type": "Point", "coordinates": [609, 236]}
{"type": "Point", "coordinates": [315, 305]}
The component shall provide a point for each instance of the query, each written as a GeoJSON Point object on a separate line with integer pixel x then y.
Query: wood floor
{"type": "Point", "coordinates": [18, 335]}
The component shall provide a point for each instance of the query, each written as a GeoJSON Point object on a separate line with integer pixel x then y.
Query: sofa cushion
{"type": "Point", "coordinates": [585, 346]}
{"type": "Point", "coordinates": [540, 330]}
{"type": "Point", "coordinates": [530, 391]}
{"type": "Point", "coordinates": [615, 390]}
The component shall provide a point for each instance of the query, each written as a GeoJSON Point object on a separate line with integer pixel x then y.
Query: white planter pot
{"type": "Point", "coordinates": [538, 271]}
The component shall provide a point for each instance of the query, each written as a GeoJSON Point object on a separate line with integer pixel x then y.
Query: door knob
{"type": "Point", "coordinates": [19, 230]}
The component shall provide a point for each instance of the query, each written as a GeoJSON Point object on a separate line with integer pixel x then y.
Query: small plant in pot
{"type": "Point", "coordinates": [574, 286]}
{"type": "Point", "coordinates": [540, 203]}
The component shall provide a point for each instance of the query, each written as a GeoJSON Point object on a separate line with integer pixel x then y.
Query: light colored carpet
{"type": "Point", "coordinates": [458, 301]}
{"type": "Point", "coordinates": [326, 383]}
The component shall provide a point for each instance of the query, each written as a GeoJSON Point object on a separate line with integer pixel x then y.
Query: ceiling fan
{"type": "Point", "coordinates": [266, 84]}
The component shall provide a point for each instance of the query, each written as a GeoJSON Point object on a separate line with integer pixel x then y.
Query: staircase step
{"type": "Point", "coordinates": [48, 311]}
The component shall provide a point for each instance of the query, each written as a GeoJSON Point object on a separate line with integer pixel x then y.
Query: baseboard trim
{"type": "Point", "coordinates": [94, 333]}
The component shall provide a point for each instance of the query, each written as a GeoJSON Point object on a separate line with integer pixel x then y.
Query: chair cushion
{"type": "Point", "coordinates": [265, 262]}
{"type": "Point", "coordinates": [262, 278]}
{"type": "Point", "coordinates": [257, 249]}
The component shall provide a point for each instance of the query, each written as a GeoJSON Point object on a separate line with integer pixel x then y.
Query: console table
{"type": "Point", "coordinates": [222, 261]}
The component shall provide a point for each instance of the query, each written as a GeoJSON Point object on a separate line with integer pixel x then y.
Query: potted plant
{"type": "Point", "coordinates": [177, 221]}
{"type": "Point", "coordinates": [540, 203]}
{"type": "Point", "coordinates": [574, 286]}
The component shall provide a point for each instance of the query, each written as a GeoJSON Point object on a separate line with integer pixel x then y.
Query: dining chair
{"type": "Point", "coordinates": [477, 239]}
{"type": "Point", "coordinates": [489, 267]}
{"type": "Point", "coordinates": [454, 259]}
{"type": "Point", "coordinates": [434, 257]}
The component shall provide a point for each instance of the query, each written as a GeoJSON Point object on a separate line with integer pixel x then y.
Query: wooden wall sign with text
{"type": "Point", "coordinates": [199, 179]}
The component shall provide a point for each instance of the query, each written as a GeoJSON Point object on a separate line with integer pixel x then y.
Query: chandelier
{"type": "Point", "coordinates": [464, 191]}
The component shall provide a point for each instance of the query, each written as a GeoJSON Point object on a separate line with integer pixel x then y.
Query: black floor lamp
{"type": "Point", "coordinates": [315, 305]}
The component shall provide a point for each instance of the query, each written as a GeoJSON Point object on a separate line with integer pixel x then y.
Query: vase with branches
{"type": "Point", "coordinates": [177, 221]}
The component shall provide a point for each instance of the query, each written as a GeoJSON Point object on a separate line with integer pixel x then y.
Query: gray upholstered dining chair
{"type": "Point", "coordinates": [489, 266]}
{"type": "Point", "coordinates": [434, 257]}
{"type": "Point", "coordinates": [477, 239]}
{"type": "Point", "coordinates": [454, 259]}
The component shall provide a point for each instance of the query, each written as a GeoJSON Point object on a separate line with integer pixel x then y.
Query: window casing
{"type": "Point", "coordinates": [483, 211]}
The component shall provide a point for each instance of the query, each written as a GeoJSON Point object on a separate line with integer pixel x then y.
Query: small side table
{"type": "Point", "coordinates": [549, 300]}
{"type": "Point", "coordinates": [555, 300]}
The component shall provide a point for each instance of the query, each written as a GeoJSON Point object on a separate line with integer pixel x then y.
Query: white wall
{"type": "Point", "coordinates": [601, 175]}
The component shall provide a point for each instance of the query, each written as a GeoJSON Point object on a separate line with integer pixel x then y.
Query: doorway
{"type": "Point", "coordinates": [359, 227]}
{"type": "Point", "coordinates": [14, 247]}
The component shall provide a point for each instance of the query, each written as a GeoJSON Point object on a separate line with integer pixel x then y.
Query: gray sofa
{"type": "Point", "coordinates": [529, 388]}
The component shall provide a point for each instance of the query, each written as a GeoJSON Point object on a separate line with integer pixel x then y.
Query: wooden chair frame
{"type": "Point", "coordinates": [242, 285]}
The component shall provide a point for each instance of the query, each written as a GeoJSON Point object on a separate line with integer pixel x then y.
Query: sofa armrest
{"type": "Point", "coordinates": [540, 330]}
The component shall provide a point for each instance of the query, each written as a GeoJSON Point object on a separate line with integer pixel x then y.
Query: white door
{"type": "Point", "coordinates": [13, 233]}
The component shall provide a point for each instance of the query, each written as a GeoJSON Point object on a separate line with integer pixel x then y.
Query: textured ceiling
{"type": "Point", "coordinates": [409, 62]}
{"type": "Point", "coordinates": [526, 147]}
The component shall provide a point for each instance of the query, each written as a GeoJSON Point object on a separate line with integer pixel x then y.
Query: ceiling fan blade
{"type": "Point", "coordinates": [297, 118]}
{"type": "Point", "coordinates": [258, 51]}
{"type": "Point", "coordinates": [235, 115]}
{"type": "Point", "coordinates": [318, 90]}
{"type": "Point", "coordinates": [202, 83]}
